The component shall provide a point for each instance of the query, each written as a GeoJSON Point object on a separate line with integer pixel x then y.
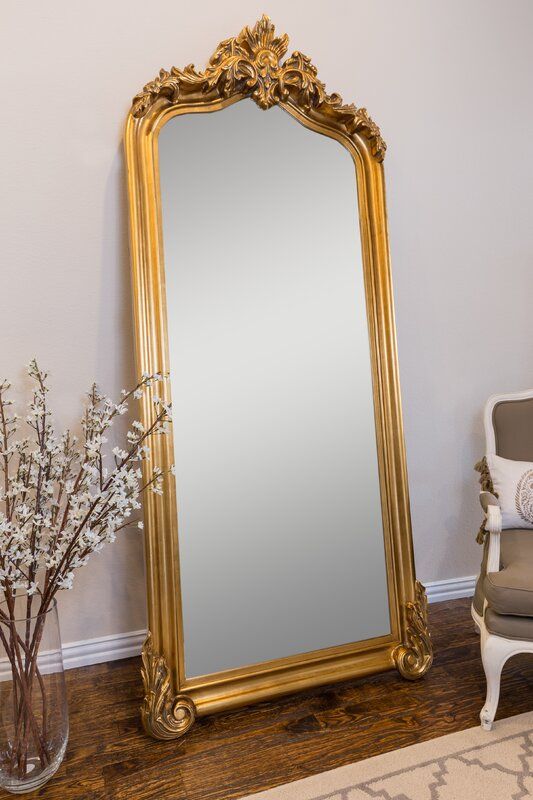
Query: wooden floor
{"type": "Point", "coordinates": [232, 755]}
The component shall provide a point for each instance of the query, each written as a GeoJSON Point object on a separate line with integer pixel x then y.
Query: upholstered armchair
{"type": "Point", "coordinates": [503, 602]}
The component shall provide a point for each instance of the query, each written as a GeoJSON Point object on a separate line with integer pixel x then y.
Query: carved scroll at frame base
{"type": "Point", "coordinates": [414, 658]}
{"type": "Point", "coordinates": [164, 715]}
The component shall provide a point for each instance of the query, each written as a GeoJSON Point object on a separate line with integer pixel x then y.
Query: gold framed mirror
{"type": "Point", "coordinates": [251, 292]}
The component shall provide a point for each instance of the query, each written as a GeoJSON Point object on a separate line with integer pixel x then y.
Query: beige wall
{"type": "Point", "coordinates": [450, 85]}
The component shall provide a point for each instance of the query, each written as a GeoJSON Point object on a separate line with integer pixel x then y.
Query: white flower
{"type": "Point", "coordinates": [66, 581]}
{"type": "Point", "coordinates": [60, 503]}
{"type": "Point", "coordinates": [92, 450]}
{"type": "Point", "coordinates": [119, 453]}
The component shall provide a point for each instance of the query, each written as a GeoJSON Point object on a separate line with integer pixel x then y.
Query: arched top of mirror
{"type": "Point", "coordinates": [250, 65]}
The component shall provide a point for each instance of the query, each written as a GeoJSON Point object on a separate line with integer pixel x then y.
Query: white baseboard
{"type": "Point", "coordinates": [450, 589]}
{"type": "Point", "coordinates": [105, 648]}
{"type": "Point", "coordinates": [82, 654]}
{"type": "Point", "coordinates": [127, 645]}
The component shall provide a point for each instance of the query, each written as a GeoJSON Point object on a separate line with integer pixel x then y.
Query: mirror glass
{"type": "Point", "coordinates": [279, 516]}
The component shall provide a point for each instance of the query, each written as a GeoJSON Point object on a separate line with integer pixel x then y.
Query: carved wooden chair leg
{"type": "Point", "coordinates": [494, 653]}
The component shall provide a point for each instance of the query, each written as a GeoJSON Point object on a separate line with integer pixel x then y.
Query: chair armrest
{"type": "Point", "coordinates": [488, 499]}
{"type": "Point", "coordinates": [493, 524]}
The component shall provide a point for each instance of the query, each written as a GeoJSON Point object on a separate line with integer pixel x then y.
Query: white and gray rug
{"type": "Point", "coordinates": [469, 765]}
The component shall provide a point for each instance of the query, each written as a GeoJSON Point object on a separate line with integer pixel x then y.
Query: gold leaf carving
{"type": "Point", "coordinates": [164, 715]}
{"type": "Point", "coordinates": [415, 656]}
{"type": "Point", "coordinates": [250, 65]}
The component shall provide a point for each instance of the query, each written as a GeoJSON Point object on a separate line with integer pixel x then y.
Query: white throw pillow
{"type": "Point", "coordinates": [513, 483]}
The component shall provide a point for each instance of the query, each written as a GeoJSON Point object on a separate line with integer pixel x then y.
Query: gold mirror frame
{"type": "Point", "coordinates": [250, 66]}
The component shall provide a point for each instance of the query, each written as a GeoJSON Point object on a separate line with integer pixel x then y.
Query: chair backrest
{"type": "Point", "coordinates": [509, 425]}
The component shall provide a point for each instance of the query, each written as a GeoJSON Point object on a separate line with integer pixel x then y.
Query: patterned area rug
{"type": "Point", "coordinates": [470, 765]}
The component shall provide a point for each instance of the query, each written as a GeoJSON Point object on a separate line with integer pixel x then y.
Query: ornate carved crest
{"type": "Point", "coordinates": [415, 656]}
{"type": "Point", "coordinates": [250, 65]}
{"type": "Point", "coordinates": [164, 715]}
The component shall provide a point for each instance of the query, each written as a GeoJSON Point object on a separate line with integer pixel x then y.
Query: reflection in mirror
{"type": "Point", "coordinates": [279, 517]}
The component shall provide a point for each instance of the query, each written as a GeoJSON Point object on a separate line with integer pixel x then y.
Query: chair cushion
{"type": "Point", "coordinates": [509, 626]}
{"type": "Point", "coordinates": [510, 591]}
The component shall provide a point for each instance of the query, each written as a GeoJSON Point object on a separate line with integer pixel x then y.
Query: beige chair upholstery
{"type": "Point", "coordinates": [509, 591]}
{"type": "Point", "coordinates": [511, 627]}
{"type": "Point", "coordinates": [503, 601]}
{"type": "Point", "coordinates": [512, 422]}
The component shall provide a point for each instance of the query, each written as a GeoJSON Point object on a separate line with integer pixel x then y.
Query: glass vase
{"type": "Point", "coordinates": [33, 701]}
